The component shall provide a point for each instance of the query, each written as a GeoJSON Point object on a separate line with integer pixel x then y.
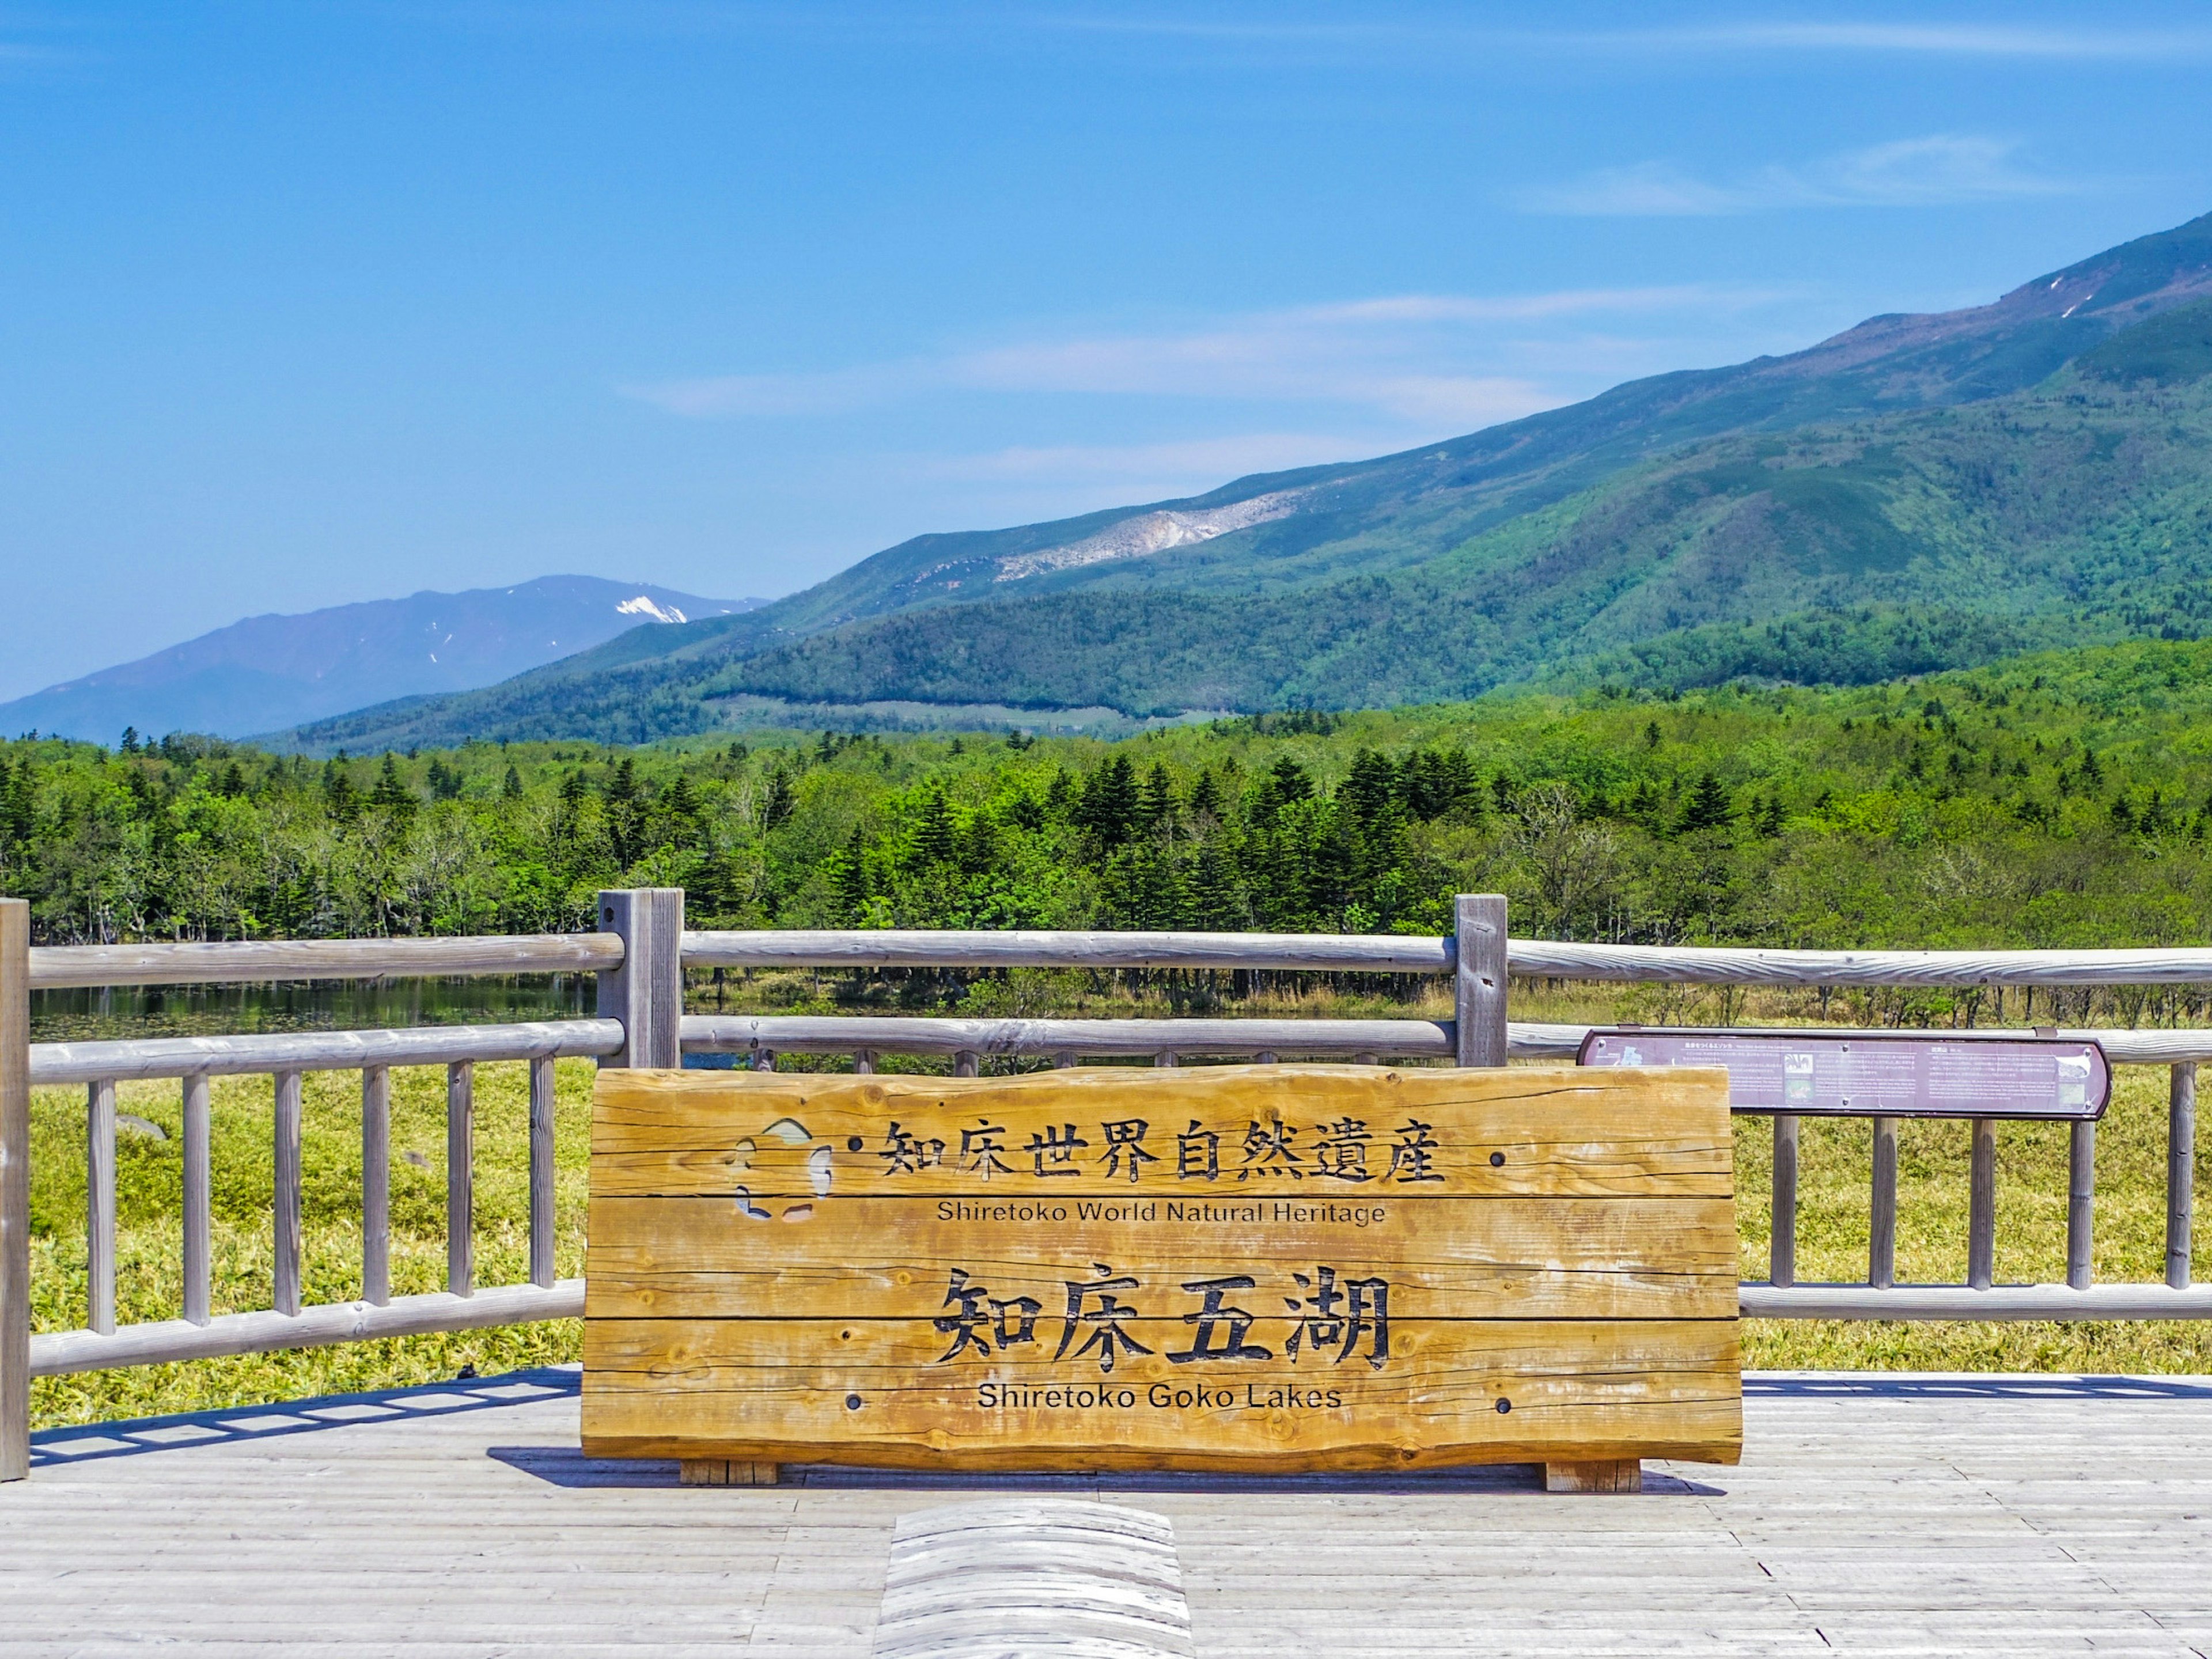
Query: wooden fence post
{"type": "Point", "coordinates": [15, 1189]}
{"type": "Point", "coordinates": [1479, 979]}
{"type": "Point", "coordinates": [646, 993]}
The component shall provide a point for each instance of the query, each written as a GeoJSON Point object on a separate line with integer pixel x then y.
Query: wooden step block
{"type": "Point", "coordinates": [1608, 1475]}
{"type": "Point", "coordinates": [725, 1472]}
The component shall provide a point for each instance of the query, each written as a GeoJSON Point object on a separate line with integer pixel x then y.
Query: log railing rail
{"type": "Point", "coordinates": [639, 955]}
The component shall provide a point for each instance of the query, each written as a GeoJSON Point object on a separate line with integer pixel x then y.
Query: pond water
{"type": "Point", "coordinates": [151, 1010]}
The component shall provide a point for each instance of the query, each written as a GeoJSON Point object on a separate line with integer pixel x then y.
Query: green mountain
{"type": "Point", "coordinates": [1918, 492]}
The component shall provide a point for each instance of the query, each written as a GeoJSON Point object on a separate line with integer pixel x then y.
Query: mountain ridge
{"type": "Point", "coordinates": [266, 671]}
{"type": "Point", "coordinates": [1844, 516]}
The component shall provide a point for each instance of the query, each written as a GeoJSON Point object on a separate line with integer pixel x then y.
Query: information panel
{"type": "Point", "coordinates": [1879, 1073]}
{"type": "Point", "coordinates": [1257, 1267]}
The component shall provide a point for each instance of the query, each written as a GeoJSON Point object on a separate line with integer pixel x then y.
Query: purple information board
{"type": "Point", "coordinates": [1878, 1073]}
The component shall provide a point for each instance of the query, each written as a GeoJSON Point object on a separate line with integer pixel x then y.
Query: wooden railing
{"type": "Point", "coordinates": [638, 956]}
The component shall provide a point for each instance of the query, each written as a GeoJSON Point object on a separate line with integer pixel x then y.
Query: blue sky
{"type": "Point", "coordinates": [314, 301]}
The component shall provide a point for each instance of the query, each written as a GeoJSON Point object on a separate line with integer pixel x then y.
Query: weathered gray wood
{"type": "Point", "coordinates": [966, 1062]}
{"type": "Point", "coordinates": [645, 991]}
{"type": "Point", "coordinates": [2081, 1206]}
{"type": "Point", "coordinates": [1882, 1241]}
{"type": "Point", "coordinates": [2180, 1170]}
{"type": "Point", "coordinates": [1908, 1515]}
{"type": "Point", "coordinates": [1166, 1057]}
{"type": "Point", "coordinates": [1982, 1206]}
{"type": "Point", "coordinates": [1033, 1575]}
{"type": "Point", "coordinates": [198, 1199]}
{"type": "Point", "coordinates": [99, 1205]}
{"type": "Point", "coordinates": [1782, 1239]}
{"type": "Point", "coordinates": [825, 1034]}
{"type": "Point", "coordinates": [1364, 953]}
{"type": "Point", "coordinates": [286, 1254]}
{"type": "Point", "coordinates": [864, 1061]}
{"type": "Point", "coordinates": [763, 1060]}
{"type": "Point", "coordinates": [376, 1185]}
{"type": "Point", "coordinates": [2059, 1302]}
{"type": "Point", "coordinates": [461, 1178]}
{"type": "Point", "coordinates": [1368, 953]}
{"type": "Point", "coordinates": [541, 1172]}
{"type": "Point", "coordinates": [15, 1189]}
{"type": "Point", "coordinates": [163, 1341]}
{"type": "Point", "coordinates": [318, 1051]}
{"type": "Point", "coordinates": [265, 960]}
{"type": "Point", "coordinates": [1479, 971]}
{"type": "Point", "coordinates": [1718, 965]}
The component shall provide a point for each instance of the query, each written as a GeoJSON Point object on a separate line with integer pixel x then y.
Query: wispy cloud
{"type": "Point", "coordinates": [2081, 43]}
{"type": "Point", "coordinates": [1907, 172]}
{"type": "Point", "coordinates": [1424, 359]}
{"type": "Point", "coordinates": [1935, 39]}
{"type": "Point", "coordinates": [1198, 461]}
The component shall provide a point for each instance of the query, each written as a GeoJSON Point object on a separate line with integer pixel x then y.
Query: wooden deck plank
{"type": "Point", "coordinates": [1881, 1517]}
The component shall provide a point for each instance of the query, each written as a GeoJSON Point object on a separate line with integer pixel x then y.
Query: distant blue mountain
{"type": "Point", "coordinates": [269, 672]}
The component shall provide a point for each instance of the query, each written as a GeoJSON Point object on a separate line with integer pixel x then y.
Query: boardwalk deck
{"type": "Point", "coordinates": [1902, 1515]}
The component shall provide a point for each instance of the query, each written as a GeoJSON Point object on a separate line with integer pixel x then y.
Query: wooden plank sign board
{"type": "Point", "coordinates": [1259, 1267]}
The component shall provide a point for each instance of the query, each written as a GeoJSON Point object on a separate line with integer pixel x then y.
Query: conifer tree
{"type": "Point", "coordinates": [1707, 808]}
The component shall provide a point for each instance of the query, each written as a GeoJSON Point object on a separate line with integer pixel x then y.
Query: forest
{"type": "Point", "coordinates": [2056, 800]}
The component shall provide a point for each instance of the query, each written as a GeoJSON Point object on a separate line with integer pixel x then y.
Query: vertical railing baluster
{"type": "Point", "coordinates": [99, 1205]}
{"type": "Point", "coordinates": [2081, 1205]}
{"type": "Point", "coordinates": [966, 1062]}
{"type": "Point", "coordinates": [541, 1171]}
{"type": "Point", "coordinates": [461, 1178]}
{"type": "Point", "coordinates": [763, 1060]}
{"type": "Point", "coordinates": [199, 1203]}
{"type": "Point", "coordinates": [1265, 1057]}
{"type": "Point", "coordinates": [1367, 1057]}
{"type": "Point", "coordinates": [2180, 1170]}
{"type": "Point", "coordinates": [376, 1185]}
{"type": "Point", "coordinates": [286, 1258]}
{"type": "Point", "coordinates": [1065, 1059]}
{"type": "Point", "coordinates": [15, 1189]}
{"type": "Point", "coordinates": [864, 1061]}
{"type": "Point", "coordinates": [1882, 1243]}
{"type": "Point", "coordinates": [1982, 1206]}
{"type": "Point", "coordinates": [1167, 1057]}
{"type": "Point", "coordinates": [1782, 1232]}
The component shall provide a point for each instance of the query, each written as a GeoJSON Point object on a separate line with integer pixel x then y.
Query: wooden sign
{"type": "Point", "coordinates": [1811, 1072]}
{"type": "Point", "coordinates": [1261, 1268]}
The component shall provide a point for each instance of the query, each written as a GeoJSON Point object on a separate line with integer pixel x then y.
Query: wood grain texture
{"type": "Point", "coordinates": [53, 1353]}
{"type": "Point", "coordinates": [263, 960]}
{"type": "Point", "coordinates": [1523, 1132]}
{"type": "Point", "coordinates": [1262, 1266]}
{"type": "Point", "coordinates": [1368, 953]}
{"type": "Point", "coordinates": [781, 1390]}
{"type": "Point", "coordinates": [318, 1051]}
{"type": "Point", "coordinates": [15, 1189]}
{"type": "Point", "coordinates": [1510, 1258]}
{"type": "Point", "coordinates": [1613, 1475]}
{"type": "Point", "coordinates": [896, 1034]}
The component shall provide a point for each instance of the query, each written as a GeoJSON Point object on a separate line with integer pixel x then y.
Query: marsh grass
{"type": "Point", "coordinates": [1832, 1234]}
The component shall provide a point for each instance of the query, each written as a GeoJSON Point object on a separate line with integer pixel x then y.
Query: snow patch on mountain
{"type": "Point", "coordinates": [643, 606]}
{"type": "Point", "coordinates": [1148, 533]}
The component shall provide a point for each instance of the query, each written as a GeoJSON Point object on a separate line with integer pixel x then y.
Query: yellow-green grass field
{"type": "Point", "coordinates": [1932, 1171]}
